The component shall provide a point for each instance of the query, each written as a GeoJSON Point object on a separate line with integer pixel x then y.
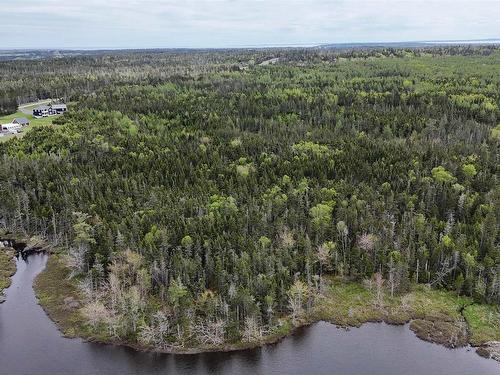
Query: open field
{"type": "Point", "coordinates": [352, 304]}
{"type": "Point", "coordinates": [436, 315]}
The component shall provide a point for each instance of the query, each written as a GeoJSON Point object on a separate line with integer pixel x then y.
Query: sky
{"type": "Point", "coordinates": [91, 24]}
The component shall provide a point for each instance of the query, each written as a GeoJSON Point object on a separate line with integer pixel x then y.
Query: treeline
{"type": "Point", "coordinates": [205, 207]}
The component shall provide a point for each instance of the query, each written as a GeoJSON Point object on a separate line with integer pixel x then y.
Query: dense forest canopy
{"type": "Point", "coordinates": [203, 187]}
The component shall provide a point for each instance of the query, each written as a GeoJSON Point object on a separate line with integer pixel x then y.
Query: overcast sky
{"type": "Point", "coordinates": [233, 23]}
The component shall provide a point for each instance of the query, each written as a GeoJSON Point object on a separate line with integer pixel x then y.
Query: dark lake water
{"type": "Point", "coordinates": [30, 344]}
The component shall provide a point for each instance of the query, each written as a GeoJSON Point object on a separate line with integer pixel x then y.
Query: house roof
{"type": "Point", "coordinates": [42, 108]}
{"type": "Point", "coordinates": [59, 106]}
{"type": "Point", "coordinates": [21, 120]}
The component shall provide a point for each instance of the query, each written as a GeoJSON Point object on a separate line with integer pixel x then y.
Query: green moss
{"type": "Point", "coordinates": [7, 268]}
{"type": "Point", "coordinates": [432, 304]}
{"type": "Point", "coordinates": [52, 286]}
{"type": "Point", "coordinates": [351, 304]}
{"type": "Point", "coordinates": [347, 304]}
{"type": "Point", "coordinates": [484, 323]}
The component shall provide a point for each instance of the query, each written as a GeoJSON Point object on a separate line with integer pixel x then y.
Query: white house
{"type": "Point", "coordinates": [42, 111]}
{"type": "Point", "coordinates": [11, 128]}
{"type": "Point", "coordinates": [49, 110]}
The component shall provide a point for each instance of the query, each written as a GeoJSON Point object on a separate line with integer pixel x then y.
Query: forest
{"type": "Point", "coordinates": [202, 196]}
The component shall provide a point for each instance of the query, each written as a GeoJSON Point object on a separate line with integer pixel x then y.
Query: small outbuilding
{"type": "Point", "coordinates": [59, 108]}
{"type": "Point", "coordinates": [23, 121]}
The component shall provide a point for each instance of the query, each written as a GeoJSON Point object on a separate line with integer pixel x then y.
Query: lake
{"type": "Point", "coordinates": [31, 344]}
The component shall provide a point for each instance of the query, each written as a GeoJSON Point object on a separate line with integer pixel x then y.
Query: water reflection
{"type": "Point", "coordinates": [30, 344]}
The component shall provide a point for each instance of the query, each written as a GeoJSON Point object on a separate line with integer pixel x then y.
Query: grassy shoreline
{"type": "Point", "coordinates": [437, 316]}
{"type": "Point", "coordinates": [7, 270]}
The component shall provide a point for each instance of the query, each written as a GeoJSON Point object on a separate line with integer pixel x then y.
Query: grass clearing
{"type": "Point", "coordinates": [432, 304]}
{"type": "Point", "coordinates": [351, 304]}
{"type": "Point", "coordinates": [435, 315]}
{"type": "Point", "coordinates": [347, 304]}
{"type": "Point", "coordinates": [484, 323]}
{"type": "Point", "coordinates": [52, 286]}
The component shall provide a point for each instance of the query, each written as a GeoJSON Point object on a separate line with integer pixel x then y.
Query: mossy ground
{"type": "Point", "coordinates": [7, 268]}
{"type": "Point", "coordinates": [437, 315]}
{"type": "Point", "coordinates": [352, 304]}
{"type": "Point", "coordinates": [484, 323]}
{"type": "Point", "coordinates": [52, 286]}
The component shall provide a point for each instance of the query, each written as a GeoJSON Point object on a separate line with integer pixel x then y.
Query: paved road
{"type": "Point", "coordinates": [27, 108]}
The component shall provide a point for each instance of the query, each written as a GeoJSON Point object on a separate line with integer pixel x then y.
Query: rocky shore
{"type": "Point", "coordinates": [451, 334]}
{"type": "Point", "coordinates": [490, 349]}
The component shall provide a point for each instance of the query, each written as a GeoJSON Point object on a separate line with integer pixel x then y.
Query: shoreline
{"type": "Point", "coordinates": [437, 329]}
{"type": "Point", "coordinates": [436, 324]}
{"type": "Point", "coordinates": [7, 269]}
{"type": "Point", "coordinates": [67, 320]}
{"type": "Point", "coordinates": [12, 246]}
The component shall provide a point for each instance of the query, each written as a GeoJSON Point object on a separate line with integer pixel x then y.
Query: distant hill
{"type": "Point", "coordinates": [411, 44]}
{"type": "Point", "coordinates": [34, 54]}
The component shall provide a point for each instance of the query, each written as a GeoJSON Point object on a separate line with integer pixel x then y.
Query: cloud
{"type": "Point", "coordinates": [220, 23]}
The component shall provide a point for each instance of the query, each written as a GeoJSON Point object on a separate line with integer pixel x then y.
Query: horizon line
{"type": "Point", "coordinates": [262, 46]}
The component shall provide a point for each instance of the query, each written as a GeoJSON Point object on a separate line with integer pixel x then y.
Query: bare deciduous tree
{"type": "Point", "coordinates": [324, 255]}
{"type": "Point", "coordinates": [296, 297]}
{"type": "Point", "coordinates": [210, 332]}
{"type": "Point", "coordinates": [446, 268]}
{"type": "Point", "coordinates": [379, 284]}
{"type": "Point", "coordinates": [96, 313]}
{"type": "Point", "coordinates": [252, 331]}
{"type": "Point", "coordinates": [157, 331]}
{"type": "Point", "coordinates": [366, 242]}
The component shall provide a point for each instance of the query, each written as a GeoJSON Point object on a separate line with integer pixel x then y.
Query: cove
{"type": "Point", "coordinates": [31, 344]}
